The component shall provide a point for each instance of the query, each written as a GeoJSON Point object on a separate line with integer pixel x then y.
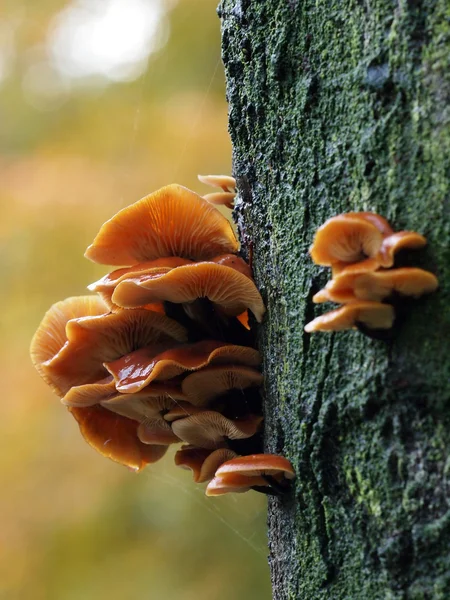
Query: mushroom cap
{"type": "Point", "coordinates": [202, 462]}
{"type": "Point", "coordinates": [373, 315]}
{"type": "Point", "coordinates": [115, 437]}
{"type": "Point", "coordinates": [363, 266]}
{"type": "Point", "coordinates": [345, 239]}
{"type": "Point", "coordinates": [149, 267]}
{"type": "Point", "coordinates": [255, 465]}
{"type": "Point", "coordinates": [156, 432]}
{"type": "Point", "coordinates": [401, 240]}
{"type": "Point", "coordinates": [227, 288]}
{"type": "Point", "coordinates": [221, 198]}
{"type": "Point", "coordinates": [377, 285]}
{"type": "Point", "coordinates": [225, 182]}
{"type": "Point", "coordinates": [210, 382]}
{"type": "Point", "coordinates": [173, 221]}
{"type": "Point", "coordinates": [182, 410]}
{"type": "Point", "coordinates": [209, 429]}
{"type": "Point", "coordinates": [233, 483]}
{"type": "Point", "coordinates": [50, 336]}
{"type": "Point", "coordinates": [91, 341]}
{"type": "Point", "coordinates": [136, 370]}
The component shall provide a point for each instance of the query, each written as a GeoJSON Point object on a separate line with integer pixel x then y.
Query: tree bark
{"type": "Point", "coordinates": [335, 106]}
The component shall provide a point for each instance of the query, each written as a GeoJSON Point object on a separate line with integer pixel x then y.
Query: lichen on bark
{"type": "Point", "coordinates": [339, 105]}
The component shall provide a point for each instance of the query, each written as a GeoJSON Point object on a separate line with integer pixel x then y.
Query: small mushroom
{"type": "Point", "coordinates": [210, 429]}
{"type": "Point", "coordinates": [50, 336]}
{"type": "Point", "coordinates": [233, 483]}
{"type": "Point", "coordinates": [221, 199]}
{"type": "Point", "coordinates": [91, 341]}
{"type": "Point", "coordinates": [208, 383]}
{"type": "Point", "coordinates": [227, 288]}
{"type": "Point", "coordinates": [378, 285]}
{"type": "Point", "coordinates": [225, 182]}
{"type": "Point", "coordinates": [115, 437]}
{"type": "Point", "coordinates": [346, 239]}
{"type": "Point", "coordinates": [401, 240]}
{"type": "Point", "coordinates": [202, 462]}
{"type": "Point", "coordinates": [136, 370]}
{"type": "Point", "coordinates": [372, 315]}
{"type": "Point", "coordinates": [173, 221]}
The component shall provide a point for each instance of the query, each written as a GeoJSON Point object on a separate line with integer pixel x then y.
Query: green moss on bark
{"type": "Point", "coordinates": [339, 105]}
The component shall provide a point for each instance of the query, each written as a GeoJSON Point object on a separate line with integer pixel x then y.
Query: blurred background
{"type": "Point", "coordinates": [102, 102]}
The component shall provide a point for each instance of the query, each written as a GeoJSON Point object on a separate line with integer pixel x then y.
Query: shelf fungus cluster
{"type": "Point", "coordinates": [361, 248]}
{"type": "Point", "coordinates": [162, 352]}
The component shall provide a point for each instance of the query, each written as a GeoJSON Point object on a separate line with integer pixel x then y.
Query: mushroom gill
{"type": "Point", "coordinates": [373, 315]}
{"type": "Point", "coordinates": [173, 221]}
{"type": "Point", "coordinates": [225, 287]}
{"type": "Point", "coordinates": [201, 461]}
{"type": "Point", "coordinates": [136, 370]}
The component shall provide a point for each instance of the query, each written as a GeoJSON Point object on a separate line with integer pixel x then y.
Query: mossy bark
{"type": "Point", "coordinates": [343, 105]}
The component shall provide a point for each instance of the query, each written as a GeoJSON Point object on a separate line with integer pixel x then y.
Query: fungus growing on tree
{"type": "Point", "coordinates": [359, 247]}
{"type": "Point", "coordinates": [163, 353]}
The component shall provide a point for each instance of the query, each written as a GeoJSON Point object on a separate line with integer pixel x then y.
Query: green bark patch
{"type": "Point", "coordinates": [335, 106]}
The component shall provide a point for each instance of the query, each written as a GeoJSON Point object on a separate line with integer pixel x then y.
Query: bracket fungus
{"type": "Point", "coordinates": [163, 351]}
{"type": "Point", "coordinates": [360, 248]}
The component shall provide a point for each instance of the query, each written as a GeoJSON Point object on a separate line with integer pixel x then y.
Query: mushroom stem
{"type": "Point", "coordinates": [278, 487]}
{"type": "Point", "coordinates": [268, 491]}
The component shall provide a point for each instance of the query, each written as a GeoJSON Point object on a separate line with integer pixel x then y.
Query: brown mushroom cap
{"type": "Point", "coordinates": [233, 483]}
{"type": "Point", "coordinates": [227, 288]}
{"type": "Point", "coordinates": [136, 370]}
{"type": "Point", "coordinates": [202, 462]}
{"type": "Point", "coordinates": [95, 340]}
{"type": "Point", "coordinates": [399, 241]}
{"type": "Point", "coordinates": [209, 429]}
{"type": "Point", "coordinates": [181, 411]}
{"type": "Point", "coordinates": [210, 382]}
{"type": "Point", "coordinates": [225, 182]}
{"type": "Point", "coordinates": [50, 336]}
{"type": "Point", "coordinates": [173, 221]}
{"type": "Point", "coordinates": [255, 465]}
{"type": "Point", "coordinates": [345, 239]}
{"type": "Point", "coordinates": [156, 432]}
{"type": "Point", "coordinates": [115, 437]}
{"type": "Point", "coordinates": [378, 285]}
{"type": "Point", "coordinates": [373, 315]}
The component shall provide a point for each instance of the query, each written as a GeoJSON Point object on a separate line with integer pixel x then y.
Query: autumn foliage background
{"type": "Point", "coordinates": [74, 150]}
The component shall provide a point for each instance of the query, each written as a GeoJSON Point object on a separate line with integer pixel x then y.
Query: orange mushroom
{"type": "Point", "coordinates": [91, 341]}
{"type": "Point", "coordinates": [372, 315]}
{"type": "Point", "coordinates": [378, 285]}
{"type": "Point", "coordinates": [246, 472]}
{"type": "Point", "coordinates": [136, 370]}
{"type": "Point", "coordinates": [225, 287]}
{"type": "Point", "coordinates": [225, 182]}
{"type": "Point", "coordinates": [401, 240]}
{"type": "Point", "coordinates": [202, 462]}
{"type": "Point", "coordinates": [173, 221]}
{"type": "Point", "coordinates": [115, 437]}
{"type": "Point", "coordinates": [346, 239]}
{"type": "Point", "coordinates": [210, 382]}
{"type": "Point", "coordinates": [210, 429]}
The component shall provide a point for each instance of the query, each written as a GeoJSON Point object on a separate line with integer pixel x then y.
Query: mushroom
{"type": "Point", "coordinates": [210, 429]}
{"type": "Point", "coordinates": [221, 199]}
{"type": "Point", "coordinates": [346, 239]}
{"type": "Point", "coordinates": [233, 483]}
{"type": "Point", "coordinates": [136, 370]}
{"type": "Point", "coordinates": [115, 437]}
{"type": "Point", "coordinates": [225, 182]}
{"type": "Point", "coordinates": [372, 315]}
{"type": "Point", "coordinates": [50, 336]}
{"type": "Point", "coordinates": [245, 472]}
{"type": "Point", "coordinates": [202, 462]}
{"type": "Point", "coordinates": [227, 288]}
{"type": "Point", "coordinates": [173, 221]}
{"type": "Point", "coordinates": [399, 241]}
{"type": "Point", "coordinates": [208, 383]}
{"type": "Point", "coordinates": [91, 341]}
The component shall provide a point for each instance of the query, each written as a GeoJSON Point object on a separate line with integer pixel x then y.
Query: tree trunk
{"type": "Point", "coordinates": [335, 106]}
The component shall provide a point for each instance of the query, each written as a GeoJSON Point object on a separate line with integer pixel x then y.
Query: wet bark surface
{"type": "Point", "coordinates": [339, 106]}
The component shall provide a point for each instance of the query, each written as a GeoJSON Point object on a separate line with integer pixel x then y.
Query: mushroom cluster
{"type": "Point", "coordinates": [163, 352]}
{"type": "Point", "coordinates": [360, 248]}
